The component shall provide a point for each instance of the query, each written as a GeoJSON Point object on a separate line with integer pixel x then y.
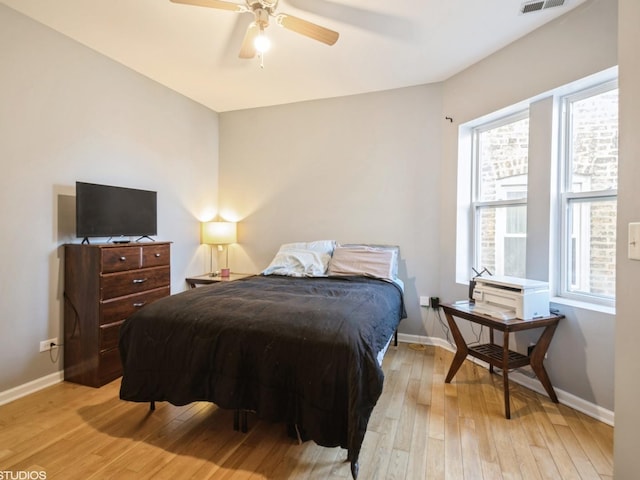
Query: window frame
{"type": "Point", "coordinates": [478, 205]}
{"type": "Point", "coordinates": [544, 205]}
{"type": "Point", "coordinates": [567, 197]}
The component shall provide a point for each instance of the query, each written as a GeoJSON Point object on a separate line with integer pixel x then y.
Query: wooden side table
{"type": "Point", "coordinates": [499, 355]}
{"type": "Point", "coordinates": [208, 279]}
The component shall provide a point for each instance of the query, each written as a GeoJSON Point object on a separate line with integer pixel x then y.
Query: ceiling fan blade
{"type": "Point", "coordinates": [248, 49]}
{"type": "Point", "coordinates": [234, 7]}
{"type": "Point", "coordinates": [307, 29]}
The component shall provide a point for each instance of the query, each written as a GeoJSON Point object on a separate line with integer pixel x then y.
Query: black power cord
{"type": "Point", "coordinates": [54, 346]}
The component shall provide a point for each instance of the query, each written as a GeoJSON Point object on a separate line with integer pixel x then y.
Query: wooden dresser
{"type": "Point", "coordinates": [103, 285]}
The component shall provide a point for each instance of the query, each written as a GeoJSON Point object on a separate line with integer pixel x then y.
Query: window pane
{"type": "Point", "coordinates": [502, 244]}
{"type": "Point", "coordinates": [594, 143]}
{"type": "Point", "coordinates": [503, 154]}
{"type": "Point", "coordinates": [592, 247]}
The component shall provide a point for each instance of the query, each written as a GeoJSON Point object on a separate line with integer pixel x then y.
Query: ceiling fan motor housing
{"type": "Point", "coordinates": [268, 5]}
{"type": "Point", "coordinates": [262, 17]}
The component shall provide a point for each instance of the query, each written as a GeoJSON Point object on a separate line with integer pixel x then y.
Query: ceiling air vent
{"type": "Point", "coordinates": [538, 5]}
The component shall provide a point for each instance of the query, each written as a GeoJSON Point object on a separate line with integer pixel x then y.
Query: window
{"type": "Point", "coordinates": [499, 195]}
{"type": "Point", "coordinates": [537, 191]}
{"type": "Point", "coordinates": [588, 194]}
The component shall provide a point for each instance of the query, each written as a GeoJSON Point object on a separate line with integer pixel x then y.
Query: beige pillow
{"type": "Point", "coordinates": [363, 260]}
{"type": "Point", "coordinates": [394, 248]}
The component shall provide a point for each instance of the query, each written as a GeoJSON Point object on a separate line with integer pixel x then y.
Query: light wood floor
{"type": "Point", "coordinates": [421, 428]}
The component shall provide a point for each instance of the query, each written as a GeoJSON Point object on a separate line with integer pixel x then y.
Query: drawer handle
{"type": "Point", "coordinates": [157, 255]}
{"type": "Point", "coordinates": [139, 280]}
{"type": "Point", "coordinates": [122, 259]}
{"type": "Point", "coordinates": [139, 304]}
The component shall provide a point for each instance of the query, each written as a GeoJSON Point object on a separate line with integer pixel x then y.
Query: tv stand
{"type": "Point", "coordinates": [147, 237]}
{"type": "Point", "coordinates": [86, 240]}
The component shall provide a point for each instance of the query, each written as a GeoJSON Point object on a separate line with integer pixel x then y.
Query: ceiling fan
{"type": "Point", "coordinates": [255, 40]}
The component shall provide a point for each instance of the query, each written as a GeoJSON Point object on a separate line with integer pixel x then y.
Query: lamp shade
{"type": "Point", "coordinates": [218, 233]}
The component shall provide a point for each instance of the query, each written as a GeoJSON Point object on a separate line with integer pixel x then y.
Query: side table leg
{"type": "Point", "coordinates": [492, 343]}
{"type": "Point", "coordinates": [461, 348]}
{"type": "Point", "coordinates": [505, 374]}
{"type": "Point", "coordinates": [537, 357]}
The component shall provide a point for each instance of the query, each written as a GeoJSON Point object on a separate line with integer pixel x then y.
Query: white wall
{"type": "Point", "coordinates": [67, 114]}
{"type": "Point", "coordinates": [355, 169]}
{"type": "Point", "coordinates": [581, 43]}
{"type": "Point", "coordinates": [627, 461]}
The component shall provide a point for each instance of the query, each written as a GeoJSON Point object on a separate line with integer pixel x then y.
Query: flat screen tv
{"type": "Point", "coordinates": [109, 211]}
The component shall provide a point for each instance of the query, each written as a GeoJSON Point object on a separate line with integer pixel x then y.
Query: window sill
{"type": "Point", "coordinates": [567, 302]}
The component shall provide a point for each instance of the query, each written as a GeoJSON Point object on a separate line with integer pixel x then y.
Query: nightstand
{"type": "Point", "coordinates": [207, 279]}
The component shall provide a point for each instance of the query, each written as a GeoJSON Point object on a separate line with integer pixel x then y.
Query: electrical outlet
{"type": "Point", "coordinates": [424, 301]}
{"type": "Point", "coordinates": [45, 345]}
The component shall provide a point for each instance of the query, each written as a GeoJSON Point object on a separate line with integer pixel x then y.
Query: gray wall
{"type": "Point", "coordinates": [355, 169]}
{"type": "Point", "coordinates": [378, 167]}
{"type": "Point", "coordinates": [581, 43]}
{"type": "Point", "coordinates": [627, 461]}
{"type": "Point", "coordinates": [381, 167]}
{"type": "Point", "coordinates": [67, 114]}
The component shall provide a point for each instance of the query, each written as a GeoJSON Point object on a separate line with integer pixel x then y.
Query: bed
{"type": "Point", "coordinates": [300, 349]}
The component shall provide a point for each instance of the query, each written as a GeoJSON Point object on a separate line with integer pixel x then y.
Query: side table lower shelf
{"type": "Point", "coordinates": [494, 355]}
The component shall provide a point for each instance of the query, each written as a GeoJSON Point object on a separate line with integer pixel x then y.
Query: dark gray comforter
{"type": "Point", "coordinates": [295, 350]}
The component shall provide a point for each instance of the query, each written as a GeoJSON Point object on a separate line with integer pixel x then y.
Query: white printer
{"type": "Point", "coordinates": [511, 297]}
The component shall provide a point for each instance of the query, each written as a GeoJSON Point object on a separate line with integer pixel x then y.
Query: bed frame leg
{"type": "Point", "coordinates": [395, 339]}
{"type": "Point", "coordinates": [152, 405]}
{"type": "Point", "coordinates": [354, 469]}
{"type": "Point", "coordinates": [240, 420]}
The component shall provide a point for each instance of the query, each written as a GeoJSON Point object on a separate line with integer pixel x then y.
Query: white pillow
{"type": "Point", "coordinates": [302, 259]}
{"type": "Point", "coordinates": [363, 260]}
{"type": "Point", "coordinates": [320, 246]}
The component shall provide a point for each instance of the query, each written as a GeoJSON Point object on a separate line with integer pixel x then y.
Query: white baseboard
{"type": "Point", "coordinates": [31, 387]}
{"type": "Point", "coordinates": [595, 411]}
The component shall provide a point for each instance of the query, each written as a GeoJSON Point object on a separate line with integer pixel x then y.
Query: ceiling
{"type": "Point", "coordinates": [383, 44]}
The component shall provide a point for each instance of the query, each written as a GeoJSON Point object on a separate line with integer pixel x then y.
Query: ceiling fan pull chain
{"type": "Point", "coordinates": [261, 54]}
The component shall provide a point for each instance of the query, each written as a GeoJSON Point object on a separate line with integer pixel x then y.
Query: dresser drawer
{"type": "Point", "coordinates": [119, 259]}
{"type": "Point", "coordinates": [155, 255]}
{"type": "Point", "coordinates": [122, 308]}
{"type": "Point", "coordinates": [109, 366]}
{"type": "Point", "coordinates": [127, 283]}
{"type": "Point", "coordinates": [109, 335]}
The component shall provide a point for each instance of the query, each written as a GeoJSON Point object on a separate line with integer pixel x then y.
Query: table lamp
{"type": "Point", "coordinates": [219, 234]}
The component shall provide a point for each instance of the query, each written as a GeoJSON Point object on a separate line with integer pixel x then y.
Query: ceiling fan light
{"type": "Point", "coordinates": [262, 43]}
